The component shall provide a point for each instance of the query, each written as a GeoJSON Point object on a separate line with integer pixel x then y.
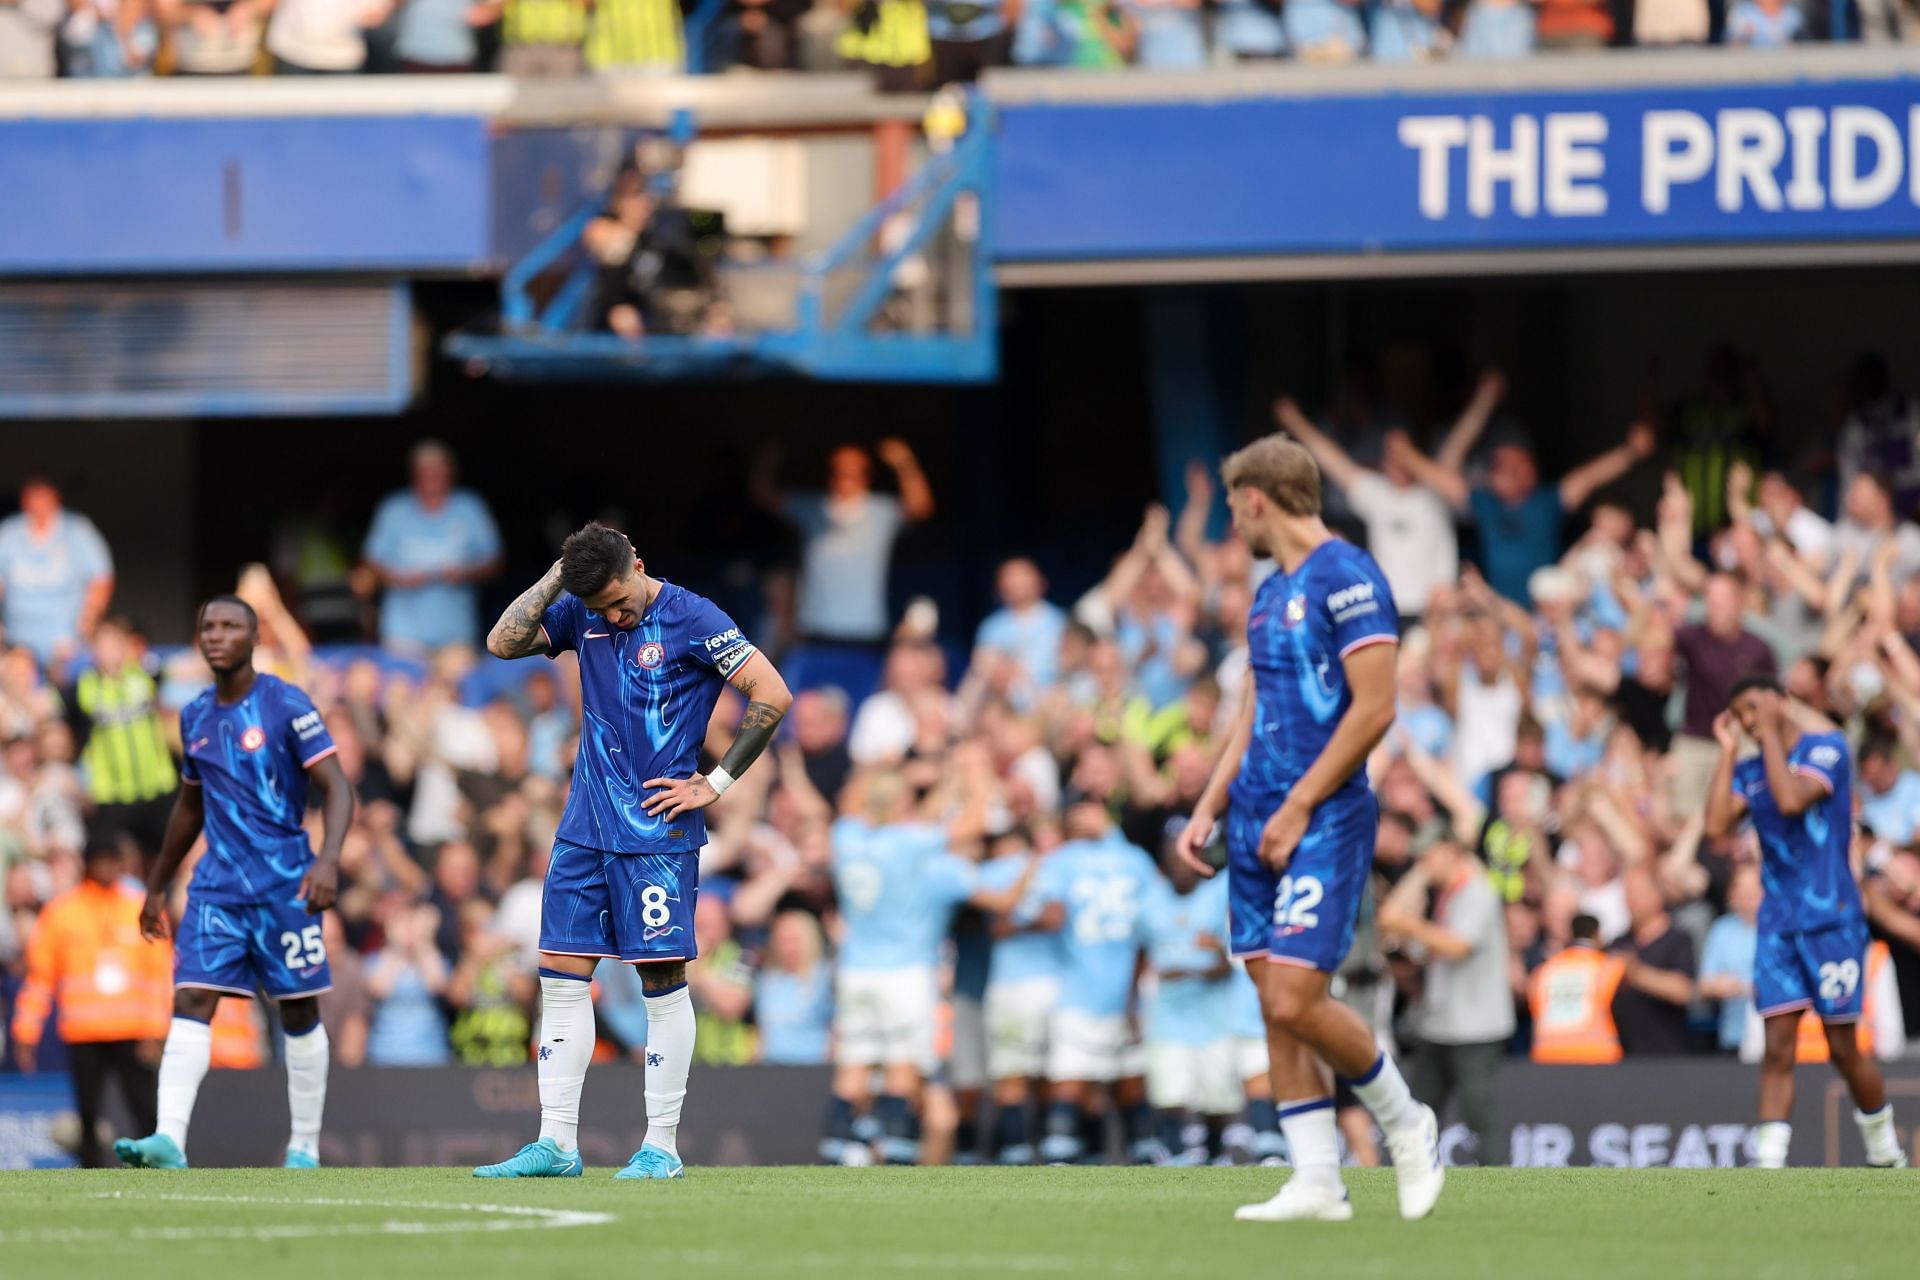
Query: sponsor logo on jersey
{"type": "Point", "coordinates": [596, 635]}
{"type": "Point", "coordinates": [1824, 756]}
{"type": "Point", "coordinates": [730, 661]}
{"type": "Point", "coordinates": [309, 724]}
{"type": "Point", "coordinates": [728, 637]}
{"type": "Point", "coordinates": [253, 739]}
{"type": "Point", "coordinates": [652, 654]}
{"type": "Point", "coordinates": [1352, 602]}
{"type": "Point", "coordinates": [1296, 612]}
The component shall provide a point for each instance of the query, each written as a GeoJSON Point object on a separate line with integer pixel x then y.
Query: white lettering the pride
{"type": "Point", "coordinates": [1845, 157]}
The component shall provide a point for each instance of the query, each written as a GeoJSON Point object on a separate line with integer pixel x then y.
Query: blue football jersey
{"type": "Point", "coordinates": [251, 758]}
{"type": "Point", "coordinates": [1803, 860]}
{"type": "Point", "coordinates": [1106, 887]}
{"type": "Point", "coordinates": [1187, 1010]}
{"type": "Point", "coordinates": [898, 887]}
{"type": "Point", "coordinates": [646, 695]}
{"type": "Point", "coordinates": [1301, 627]}
{"type": "Point", "coordinates": [1024, 956]}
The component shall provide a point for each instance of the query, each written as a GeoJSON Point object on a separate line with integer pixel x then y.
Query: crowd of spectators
{"type": "Point", "coordinates": [908, 44]}
{"type": "Point", "coordinates": [1540, 791]}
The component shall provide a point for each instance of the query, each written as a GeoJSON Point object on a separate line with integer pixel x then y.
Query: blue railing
{"type": "Point", "coordinates": [547, 343]}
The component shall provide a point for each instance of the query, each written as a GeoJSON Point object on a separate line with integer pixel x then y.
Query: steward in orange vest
{"type": "Point", "coordinates": [1571, 996]}
{"type": "Point", "coordinates": [113, 990]}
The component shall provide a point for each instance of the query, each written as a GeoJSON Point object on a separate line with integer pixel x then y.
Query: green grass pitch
{"type": "Point", "coordinates": [368, 1224]}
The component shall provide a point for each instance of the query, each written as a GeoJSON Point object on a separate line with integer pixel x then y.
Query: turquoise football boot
{"type": "Point", "coordinates": [540, 1159]}
{"type": "Point", "coordinates": [652, 1162]}
{"type": "Point", "coordinates": [157, 1151]}
{"type": "Point", "coordinates": [300, 1160]}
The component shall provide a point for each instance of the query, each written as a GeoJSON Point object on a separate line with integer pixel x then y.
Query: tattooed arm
{"type": "Point", "coordinates": [518, 633]}
{"type": "Point", "coordinates": [767, 701]}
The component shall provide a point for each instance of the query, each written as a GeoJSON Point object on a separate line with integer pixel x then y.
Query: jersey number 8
{"type": "Point", "coordinates": [653, 906]}
{"type": "Point", "coordinates": [1294, 905]}
{"type": "Point", "coordinates": [308, 940]}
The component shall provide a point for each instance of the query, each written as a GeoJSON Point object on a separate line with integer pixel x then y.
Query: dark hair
{"type": "Point", "coordinates": [595, 556]}
{"type": "Point", "coordinates": [253, 619]}
{"type": "Point", "coordinates": [102, 845]}
{"type": "Point", "coordinates": [1747, 684]}
{"type": "Point", "coordinates": [1879, 745]}
{"type": "Point", "coordinates": [1586, 927]}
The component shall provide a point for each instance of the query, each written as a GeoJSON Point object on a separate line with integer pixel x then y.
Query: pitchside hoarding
{"type": "Point", "coordinates": [1679, 1113]}
{"type": "Point", "coordinates": [1576, 167]}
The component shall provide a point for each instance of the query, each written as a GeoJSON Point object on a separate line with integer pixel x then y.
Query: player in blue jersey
{"type": "Point", "coordinates": [1811, 949]}
{"type": "Point", "coordinates": [1192, 1073]}
{"type": "Point", "coordinates": [251, 743]}
{"type": "Point", "coordinates": [625, 871]}
{"type": "Point", "coordinates": [1300, 825]}
{"type": "Point", "coordinates": [1023, 985]}
{"type": "Point", "coordinates": [898, 884]}
{"type": "Point", "coordinates": [1101, 887]}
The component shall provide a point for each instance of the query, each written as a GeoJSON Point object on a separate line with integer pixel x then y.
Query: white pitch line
{"type": "Point", "coordinates": [498, 1217]}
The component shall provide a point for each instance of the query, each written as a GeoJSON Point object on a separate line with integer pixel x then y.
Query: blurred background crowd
{"type": "Point", "coordinates": [1562, 661]}
{"type": "Point", "coordinates": [907, 44]}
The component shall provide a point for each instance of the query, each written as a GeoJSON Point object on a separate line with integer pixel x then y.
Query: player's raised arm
{"type": "Point", "coordinates": [1725, 807]}
{"type": "Point", "coordinates": [1794, 790]}
{"type": "Point", "coordinates": [767, 698]}
{"type": "Point", "coordinates": [518, 633]}
{"type": "Point", "coordinates": [183, 828]}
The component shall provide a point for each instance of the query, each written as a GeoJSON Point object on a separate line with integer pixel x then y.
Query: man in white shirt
{"type": "Point", "coordinates": [1782, 510]}
{"type": "Point", "coordinates": [1868, 523]}
{"type": "Point", "coordinates": [26, 37]}
{"type": "Point", "coordinates": [1410, 528]}
{"type": "Point", "coordinates": [847, 535]}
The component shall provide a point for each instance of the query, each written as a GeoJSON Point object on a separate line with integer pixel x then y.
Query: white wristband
{"type": "Point", "coordinates": [719, 779]}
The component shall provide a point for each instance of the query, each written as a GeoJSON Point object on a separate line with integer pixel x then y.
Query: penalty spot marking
{"type": "Point", "coordinates": [478, 1218]}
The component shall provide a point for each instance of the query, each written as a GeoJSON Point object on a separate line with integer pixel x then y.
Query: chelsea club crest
{"type": "Point", "coordinates": [652, 654]}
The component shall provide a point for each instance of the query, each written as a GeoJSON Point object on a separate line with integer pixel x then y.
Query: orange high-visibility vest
{"type": "Point", "coordinates": [1571, 996]}
{"type": "Point", "coordinates": [1811, 1042]}
{"type": "Point", "coordinates": [87, 952]}
{"type": "Point", "coordinates": [236, 1034]}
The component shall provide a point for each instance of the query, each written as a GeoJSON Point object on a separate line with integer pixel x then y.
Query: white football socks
{"type": "Point", "coordinates": [1313, 1143]}
{"type": "Point", "coordinates": [670, 1031]}
{"type": "Point", "coordinates": [1876, 1130]}
{"type": "Point", "coordinates": [183, 1065]}
{"type": "Point", "coordinates": [1384, 1092]}
{"type": "Point", "coordinates": [307, 1088]}
{"type": "Point", "coordinates": [564, 1048]}
{"type": "Point", "coordinates": [1769, 1143]}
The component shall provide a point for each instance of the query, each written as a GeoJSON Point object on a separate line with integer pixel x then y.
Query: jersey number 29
{"type": "Point", "coordinates": [1838, 979]}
